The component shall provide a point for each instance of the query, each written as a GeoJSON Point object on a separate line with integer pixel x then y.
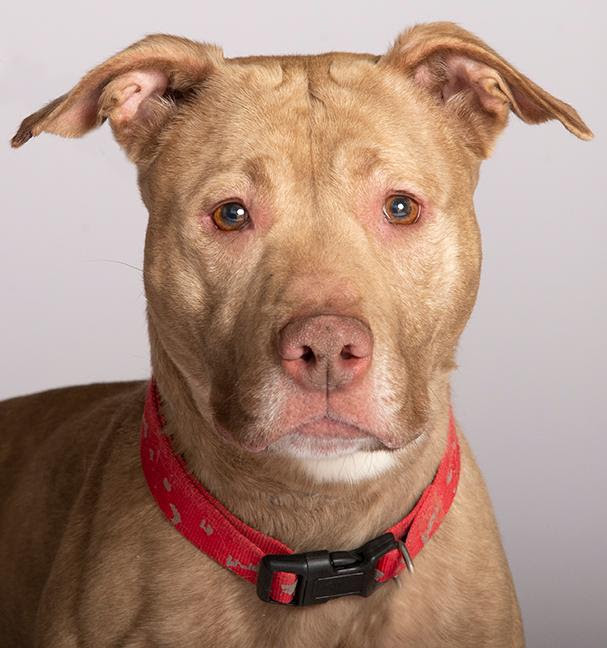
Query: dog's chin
{"type": "Point", "coordinates": [335, 453]}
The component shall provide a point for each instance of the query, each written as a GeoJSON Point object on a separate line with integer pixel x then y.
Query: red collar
{"type": "Point", "coordinates": [312, 577]}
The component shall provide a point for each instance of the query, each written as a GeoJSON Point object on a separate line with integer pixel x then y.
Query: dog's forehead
{"type": "Point", "coordinates": [340, 113]}
{"type": "Point", "coordinates": [338, 90]}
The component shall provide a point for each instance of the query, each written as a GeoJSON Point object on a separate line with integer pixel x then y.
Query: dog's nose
{"type": "Point", "coordinates": [325, 351]}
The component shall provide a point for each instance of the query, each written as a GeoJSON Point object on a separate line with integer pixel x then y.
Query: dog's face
{"type": "Point", "coordinates": [312, 254]}
{"type": "Point", "coordinates": [299, 206]}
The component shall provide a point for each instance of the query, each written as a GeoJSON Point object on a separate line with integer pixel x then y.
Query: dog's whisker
{"type": "Point", "coordinates": [118, 262]}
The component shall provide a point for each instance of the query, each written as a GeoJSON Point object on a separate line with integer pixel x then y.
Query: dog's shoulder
{"type": "Point", "coordinates": [56, 406]}
{"type": "Point", "coordinates": [57, 421]}
{"type": "Point", "coordinates": [58, 449]}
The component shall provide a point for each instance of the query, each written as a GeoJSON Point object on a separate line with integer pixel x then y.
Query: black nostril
{"type": "Point", "coordinates": [307, 355]}
{"type": "Point", "coordinates": [346, 353]}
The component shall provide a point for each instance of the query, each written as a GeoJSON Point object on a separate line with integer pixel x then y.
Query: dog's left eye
{"type": "Point", "coordinates": [231, 216]}
{"type": "Point", "coordinates": [401, 210]}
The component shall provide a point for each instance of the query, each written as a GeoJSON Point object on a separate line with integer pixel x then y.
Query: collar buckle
{"type": "Point", "coordinates": [324, 575]}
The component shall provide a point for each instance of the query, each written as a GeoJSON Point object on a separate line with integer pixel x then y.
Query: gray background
{"type": "Point", "coordinates": [531, 388]}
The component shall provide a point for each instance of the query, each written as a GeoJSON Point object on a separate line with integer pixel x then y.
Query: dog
{"type": "Point", "coordinates": [311, 259]}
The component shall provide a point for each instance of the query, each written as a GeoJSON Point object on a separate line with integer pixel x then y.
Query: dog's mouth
{"type": "Point", "coordinates": [323, 435]}
{"type": "Point", "coordinates": [328, 427]}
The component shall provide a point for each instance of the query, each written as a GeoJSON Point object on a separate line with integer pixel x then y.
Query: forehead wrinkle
{"type": "Point", "coordinates": [363, 162]}
{"type": "Point", "coordinates": [289, 114]}
{"type": "Point", "coordinates": [256, 170]}
{"type": "Point", "coordinates": [312, 104]}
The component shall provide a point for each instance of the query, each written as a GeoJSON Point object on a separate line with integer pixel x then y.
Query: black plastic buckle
{"type": "Point", "coordinates": [324, 575]}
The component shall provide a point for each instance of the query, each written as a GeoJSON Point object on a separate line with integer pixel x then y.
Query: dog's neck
{"type": "Point", "coordinates": [277, 495]}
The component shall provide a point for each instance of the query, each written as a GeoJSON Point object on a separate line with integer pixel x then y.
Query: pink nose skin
{"type": "Point", "coordinates": [325, 351]}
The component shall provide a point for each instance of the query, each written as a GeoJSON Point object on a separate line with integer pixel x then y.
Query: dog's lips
{"type": "Point", "coordinates": [314, 421]}
{"type": "Point", "coordinates": [324, 434]}
{"type": "Point", "coordinates": [329, 428]}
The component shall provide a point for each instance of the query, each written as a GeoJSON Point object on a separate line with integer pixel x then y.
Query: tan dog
{"type": "Point", "coordinates": [311, 259]}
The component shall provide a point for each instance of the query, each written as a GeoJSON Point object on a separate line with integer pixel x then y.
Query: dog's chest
{"type": "Point", "coordinates": [212, 607]}
{"type": "Point", "coordinates": [187, 600]}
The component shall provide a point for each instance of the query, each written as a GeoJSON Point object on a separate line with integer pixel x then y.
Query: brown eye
{"type": "Point", "coordinates": [401, 210]}
{"type": "Point", "coordinates": [231, 216]}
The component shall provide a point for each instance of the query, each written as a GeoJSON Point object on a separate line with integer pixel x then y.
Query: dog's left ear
{"type": "Point", "coordinates": [476, 85]}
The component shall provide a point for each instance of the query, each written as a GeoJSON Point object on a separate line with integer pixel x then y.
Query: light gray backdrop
{"type": "Point", "coordinates": [530, 392]}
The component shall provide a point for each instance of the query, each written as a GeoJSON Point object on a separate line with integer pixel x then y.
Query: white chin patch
{"type": "Point", "coordinates": [354, 467]}
{"type": "Point", "coordinates": [336, 459]}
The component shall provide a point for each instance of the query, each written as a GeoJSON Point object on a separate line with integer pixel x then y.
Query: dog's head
{"type": "Point", "coordinates": [312, 254]}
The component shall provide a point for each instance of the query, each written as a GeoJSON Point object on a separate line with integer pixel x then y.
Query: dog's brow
{"type": "Point", "coordinates": [256, 171]}
{"type": "Point", "coordinates": [358, 162]}
{"type": "Point", "coordinates": [225, 181]}
{"type": "Point", "coordinates": [365, 162]}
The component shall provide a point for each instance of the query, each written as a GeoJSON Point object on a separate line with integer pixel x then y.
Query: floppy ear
{"type": "Point", "coordinates": [137, 90]}
{"type": "Point", "coordinates": [475, 85]}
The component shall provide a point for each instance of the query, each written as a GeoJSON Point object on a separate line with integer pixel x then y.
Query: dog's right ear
{"type": "Point", "coordinates": [137, 90]}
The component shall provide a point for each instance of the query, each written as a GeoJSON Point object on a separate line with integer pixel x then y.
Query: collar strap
{"type": "Point", "coordinates": [281, 575]}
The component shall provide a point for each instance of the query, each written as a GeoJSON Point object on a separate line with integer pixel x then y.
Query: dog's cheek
{"type": "Point", "coordinates": [457, 284]}
{"type": "Point", "coordinates": [177, 291]}
{"type": "Point", "coordinates": [230, 334]}
{"type": "Point", "coordinates": [433, 284]}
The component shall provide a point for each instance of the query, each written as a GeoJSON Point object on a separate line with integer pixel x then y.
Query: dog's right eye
{"type": "Point", "coordinates": [231, 216]}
